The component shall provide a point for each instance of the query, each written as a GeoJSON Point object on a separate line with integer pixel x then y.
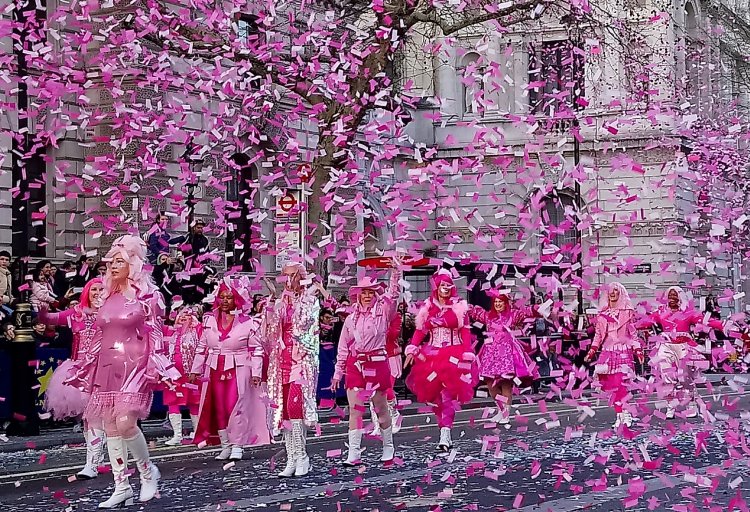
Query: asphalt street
{"type": "Point", "coordinates": [553, 457]}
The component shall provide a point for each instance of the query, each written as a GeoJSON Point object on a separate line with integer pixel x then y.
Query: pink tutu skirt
{"type": "Point", "coordinates": [503, 357]}
{"type": "Point", "coordinates": [64, 401]}
{"type": "Point", "coordinates": [445, 373]}
{"type": "Point", "coordinates": [617, 360]}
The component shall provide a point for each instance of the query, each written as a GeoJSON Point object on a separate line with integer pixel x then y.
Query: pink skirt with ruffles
{"type": "Point", "coordinates": [503, 357]}
{"type": "Point", "coordinates": [62, 400]}
{"type": "Point", "coordinates": [107, 406]}
{"type": "Point", "coordinates": [445, 373]}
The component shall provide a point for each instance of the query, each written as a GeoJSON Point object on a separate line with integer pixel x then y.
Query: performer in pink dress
{"type": "Point", "coordinates": [124, 365]}
{"type": "Point", "coordinates": [362, 357]}
{"type": "Point", "coordinates": [677, 360]}
{"type": "Point", "coordinates": [445, 369]}
{"type": "Point", "coordinates": [503, 358]}
{"type": "Point", "coordinates": [66, 401]}
{"type": "Point", "coordinates": [292, 334]}
{"type": "Point", "coordinates": [233, 410]}
{"type": "Point", "coordinates": [616, 336]}
{"type": "Point", "coordinates": [182, 343]}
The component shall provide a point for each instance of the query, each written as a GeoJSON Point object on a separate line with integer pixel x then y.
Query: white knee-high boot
{"type": "Point", "coordinates": [302, 463]}
{"type": "Point", "coordinates": [354, 456]}
{"type": "Point", "coordinates": [147, 469]}
{"type": "Point", "coordinates": [94, 454]}
{"type": "Point", "coordinates": [175, 420]}
{"type": "Point", "coordinates": [118, 459]}
{"type": "Point", "coordinates": [291, 456]}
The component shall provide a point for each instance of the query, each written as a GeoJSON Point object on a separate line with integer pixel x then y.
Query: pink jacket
{"type": "Point", "coordinates": [241, 347]}
{"type": "Point", "coordinates": [367, 330]}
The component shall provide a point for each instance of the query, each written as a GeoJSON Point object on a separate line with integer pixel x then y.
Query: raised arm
{"type": "Point", "coordinates": [56, 319]}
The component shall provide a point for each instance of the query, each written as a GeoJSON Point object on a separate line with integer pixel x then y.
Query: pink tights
{"type": "Point", "coordinates": [445, 412]}
{"type": "Point", "coordinates": [614, 384]}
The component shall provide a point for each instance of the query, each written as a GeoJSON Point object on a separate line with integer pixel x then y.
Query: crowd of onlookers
{"type": "Point", "coordinates": [181, 270]}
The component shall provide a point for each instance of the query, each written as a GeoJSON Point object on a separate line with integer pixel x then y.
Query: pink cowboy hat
{"type": "Point", "coordinates": [366, 283]}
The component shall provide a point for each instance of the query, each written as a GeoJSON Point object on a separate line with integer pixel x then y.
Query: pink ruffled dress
{"type": "Point", "coordinates": [123, 368]}
{"type": "Point", "coordinates": [445, 367]}
{"type": "Point", "coordinates": [503, 356]}
{"type": "Point", "coordinates": [64, 400]}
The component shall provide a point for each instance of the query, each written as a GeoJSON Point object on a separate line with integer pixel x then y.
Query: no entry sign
{"type": "Point", "coordinates": [287, 203]}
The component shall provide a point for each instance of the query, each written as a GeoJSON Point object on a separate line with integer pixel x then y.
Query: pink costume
{"type": "Point", "coordinates": [445, 370]}
{"type": "Point", "coordinates": [63, 400]}
{"type": "Point", "coordinates": [124, 364]}
{"type": "Point", "coordinates": [182, 345]}
{"type": "Point", "coordinates": [362, 354]}
{"type": "Point", "coordinates": [229, 359]}
{"type": "Point", "coordinates": [502, 356]}
{"type": "Point", "coordinates": [676, 357]}
{"type": "Point", "coordinates": [616, 337]}
{"type": "Point", "coordinates": [292, 331]}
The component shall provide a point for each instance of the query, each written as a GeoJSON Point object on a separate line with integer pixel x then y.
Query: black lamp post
{"type": "Point", "coordinates": [24, 420]}
{"type": "Point", "coordinates": [194, 164]}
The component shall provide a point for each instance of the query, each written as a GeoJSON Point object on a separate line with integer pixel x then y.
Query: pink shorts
{"type": "Point", "coordinates": [369, 371]}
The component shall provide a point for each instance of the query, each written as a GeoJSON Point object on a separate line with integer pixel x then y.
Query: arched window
{"type": "Point", "coordinates": [559, 221]}
{"type": "Point", "coordinates": [471, 76]}
{"type": "Point", "coordinates": [241, 196]}
{"type": "Point", "coordinates": [371, 238]}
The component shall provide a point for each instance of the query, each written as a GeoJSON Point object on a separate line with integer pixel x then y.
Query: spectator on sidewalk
{"type": "Point", "coordinates": [42, 292]}
{"type": "Point", "coordinates": [101, 269]}
{"type": "Point", "coordinates": [8, 333]}
{"type": "Point", "coordinates": [6, 281]}
{"type": "Point", "coordinates": [157, 238]}
{"type": "Point", "coordinates": [193, 245]}
{"type": "Point", "coordinates": [85, 271]}
{"type": "Point", "coordinates": [62, 279]}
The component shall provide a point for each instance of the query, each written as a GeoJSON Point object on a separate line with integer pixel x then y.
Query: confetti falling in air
{"type": "Point", "coordinates": [614, 150]}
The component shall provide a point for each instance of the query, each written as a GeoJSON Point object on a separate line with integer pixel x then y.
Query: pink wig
{"type": "Point", "coordinates": [133, 250]}
{"type": "Point", "coordinates": [497, 294]}
{"type": "Point", "coordinates": [85, 301]}
{"type": "Point", "coordinates": [443, 276]}
{"type": "Point", "coordinates": [239, 290]}
{"type": "Point", "coordinates": [623, 302]}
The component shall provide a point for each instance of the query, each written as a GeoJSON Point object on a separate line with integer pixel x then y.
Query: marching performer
{"type": "Point", "coordinates": [67, 401]}
{"type": "Point", "coordinates": [233, 409]}
{"type": "Point", "coordinates": [677, 359]}
{"type": "Point", "coordinates": [445, 370]}
{"type": "Point", "coordinates": [292, 332]}
{"type": "Point", "coordinates": [616, 337]}
{"type": "Point", "coordinates": [124, 365]}
{"type": "Point", "coordinates": [395, 362]}
{"type": "Point", "coordinates": [363, 359]}
{"type": "Point", "coordinates": [503, 358]}
{"type": "Point", "coordinates": [182, 343]}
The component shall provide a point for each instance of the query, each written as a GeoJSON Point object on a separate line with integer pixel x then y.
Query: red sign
{"type": "Point", "coordinates": [385, 262]}
{"type": "Point", "coordinates": [304, 172]}
{"type": "Point", "coordinates": [287, 202]}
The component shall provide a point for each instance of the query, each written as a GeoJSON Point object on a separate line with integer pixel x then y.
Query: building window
{"type": "Point", "coordinates": [241, 231]}
{"type": "Point", "coordinates": [472, 76]}
{"type": "Point", "coordinates": [556, 79]}
{"type": "Point", "coordinates": [558, 217]}
{"type": "Point", "coordinates": [248, 30]}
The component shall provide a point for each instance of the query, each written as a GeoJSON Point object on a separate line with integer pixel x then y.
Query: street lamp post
{"type": "Point", "coordinates": [24, 420]}
{"type": "Point", "coordinates": [191, 186]}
